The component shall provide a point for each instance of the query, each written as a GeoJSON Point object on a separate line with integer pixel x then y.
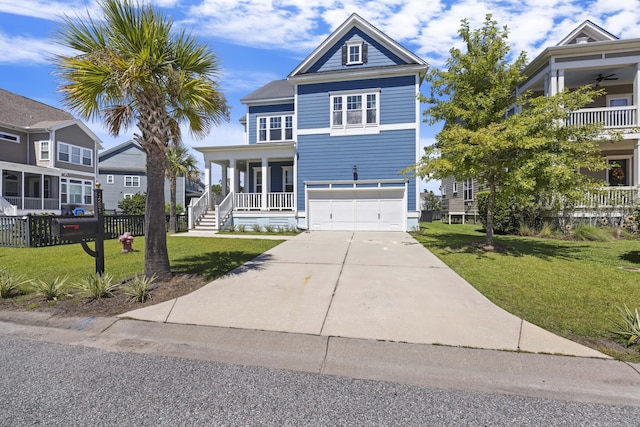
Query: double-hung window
{"type": "Point", "coordinates": [354, 53]}
{"type": "Point", "coordinates": [275, 128]}
{"type": "Point", "coordinates": [467, 190]}
{"type": "Point", "coordinates": [73, 154]}
{"type": "Point", "coordinates": [132, 181]}
{"type": "Point", "coordinates": [355, 112]}
{"type": "Point", "coordinates": [44, 150]}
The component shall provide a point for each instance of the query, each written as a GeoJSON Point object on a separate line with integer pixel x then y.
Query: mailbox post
{"type": "Point", "coordinates": [79, 229]}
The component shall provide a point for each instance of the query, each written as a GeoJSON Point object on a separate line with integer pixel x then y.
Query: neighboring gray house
{"type": "Point", "coordinates": [48, 159]}
{"type": "Point", "coordinates": [122, 174]}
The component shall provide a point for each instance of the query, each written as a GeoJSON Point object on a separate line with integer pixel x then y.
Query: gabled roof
{"type": "Point", "coordinates": [23, 112]}
{"type": "Point", "coordinates": [356, 21]}
{"type": "Point", "coordinates": [119, 149]}
{"type": "Point", "coordinates": [587, 32]}
{"type": "Point", "coordinates": [272, 91]}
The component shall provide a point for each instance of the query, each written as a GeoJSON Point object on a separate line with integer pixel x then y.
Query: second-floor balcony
{"type": "Point", "coordinates": [610, 117]}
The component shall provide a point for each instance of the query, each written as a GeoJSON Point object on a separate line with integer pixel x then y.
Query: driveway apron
{"type": "Point", "coordinates": [369, 285]}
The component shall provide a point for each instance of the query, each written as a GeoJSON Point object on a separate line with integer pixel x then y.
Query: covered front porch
{"type": "Point", "coordinates": [30, 188]}
{"type": "Point", "coordinates": [256, 181]}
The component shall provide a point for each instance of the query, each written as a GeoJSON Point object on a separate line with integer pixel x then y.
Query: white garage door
{"type": "Point", "coordinates": [357, 209]}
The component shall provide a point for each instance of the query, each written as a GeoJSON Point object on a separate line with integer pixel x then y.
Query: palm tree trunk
{"type": "Point", "coordinates": [156, 257]}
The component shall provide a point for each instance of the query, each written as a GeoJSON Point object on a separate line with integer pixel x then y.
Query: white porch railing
{"type": "Point", "coordinates": [197, 208]}
{"type": "Point", "coordinates": [247, 201]}
{"type": "Point", "coordinates": [280, 201]}
{"type": "Point", "coordinates": [611, 197]}
{"type": "Point", "coordinates": [223, 210]}
{"type": "Point", "coordinates": [253, 201]}
{"type": "Point", "coordinates": [610, 117]}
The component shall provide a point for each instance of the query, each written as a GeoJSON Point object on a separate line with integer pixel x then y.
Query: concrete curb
{"type": "Point", "coordinates": [548, 376]}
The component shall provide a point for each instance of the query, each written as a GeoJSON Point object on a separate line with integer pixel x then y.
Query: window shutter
{"type": "Point", "coordinates": [365, 53]}
{"type": "Point", "coordinates": [344, 55]}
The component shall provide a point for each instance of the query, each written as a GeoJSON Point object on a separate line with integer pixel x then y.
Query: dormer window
{"type": "Point", "coordinates": [354, 53]}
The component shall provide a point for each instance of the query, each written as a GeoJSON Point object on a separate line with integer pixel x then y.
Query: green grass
{"type": "Point", "coordinates": [571, 288]}
{"type": "Point", "coordinates": [208, 257]}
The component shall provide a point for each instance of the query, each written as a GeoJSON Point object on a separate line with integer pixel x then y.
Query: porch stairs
{"type": "Point", "coordinates": [208, 222]}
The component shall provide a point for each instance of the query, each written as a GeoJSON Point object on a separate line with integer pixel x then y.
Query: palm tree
{"type": "Point", "coordinates": [179, 163]}
{"type": "Point", "coordinates": [130, 67]}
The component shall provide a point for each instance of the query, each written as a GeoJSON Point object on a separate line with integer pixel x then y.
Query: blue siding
{"type": "Point", "coordinates": [264, 109]}
{"type": "Point", "coordinates": [276, 175]}
{"type": "Point", "coordinates": [378, 55]}
{"type": "Point", "coordinates": [397, 100]}
{"type": "Point", "coordinates": [380, 156]}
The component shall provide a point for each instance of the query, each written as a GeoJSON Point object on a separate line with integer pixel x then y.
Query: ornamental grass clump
{"type": "Point", "coordinates": [589, 233]}
{"type": "Point", "coordinates": [11, 285]}
{"type": "Point", "coordinates": [138, 289]}
{"type": "Point", "coordinates": [629, 327]}
{"type": "Point", "coordinates": [51, 289]}
{"type": "Point", "coordinates": [96, 286]}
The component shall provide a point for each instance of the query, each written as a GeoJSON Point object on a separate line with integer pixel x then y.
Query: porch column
{"type": "Point", "coordinates": [546, 84]}
{"type": "Point", "coordinates": [636, 94]}
{"type": "Point", "coordinates": [207, 183]}
{"type": "Point", "coordinates": [560, 80]}
{"type": "Point", "coordinates": [265, 183]}
{"type": "Point", "coordinates": [42, 206]}
{"type": "Point", "coordinates": [223, 182]}
{"type": "Point", "coordinates": [554, 83]}
{"type": "Point", "coordinates": [636, 164]}
{"type": "Point", "coordinates": [232, 172]}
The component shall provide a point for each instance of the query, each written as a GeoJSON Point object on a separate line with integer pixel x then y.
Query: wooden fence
{"type": "Point", "coordinates": [35, 230]}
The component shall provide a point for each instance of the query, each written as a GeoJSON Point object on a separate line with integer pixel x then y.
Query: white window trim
{"type": "Point", "coordinates": [127, 196]}
{"type": "Point", "coordinates": [349, 46]}
{"type": "Point", "coordinates": [283, 121]}
{"type": "Point", "coordinates": [354, 129]}
{"type": "Point", "coordinates": [626, 96]}
{"type": "Point", "coordinates": [86, 190]}
{"type": "Point", "coordinates": [6, 136]}
{"type": "Point", "coordinates": [40, 144]}
{"type": "Point", "coordinates": [82, 152]}
{"type": "Point", "coordinates": [455, 188]}
{"type": "Point", "coordinates": [284, 175]}
{"type": "Point", "coordinates": [110, 179]}
{"type": "Point", "coordinates": [133, 178]}
{"type": "Point", "coordinates": [629, 159]}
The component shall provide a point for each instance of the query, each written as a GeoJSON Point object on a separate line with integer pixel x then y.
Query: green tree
{"type": "Point", "coordinates": [430, 201]}
{"type": "Point", "coordinates": [134, 205]}
{"type": "Point", "coordinates": [504, 139]}
{"type": "Point", "coordinates": [131, 67]}
{"type": "Point", "coordinates": [179, 163]}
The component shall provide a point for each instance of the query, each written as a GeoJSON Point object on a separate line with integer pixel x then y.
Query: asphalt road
{"type": "Point", "coordinates": [52, 384]}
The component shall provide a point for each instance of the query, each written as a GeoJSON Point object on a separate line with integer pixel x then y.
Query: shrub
{"type": "Point", "coordinates": [509, 216]}
{"type": "Point", "coordinates": [629, 327]}
{"type": "Point", "coordinates": [51, 289]}
{"type": "Point", "coordinates": [256, 228]}
{"type": "Point", "coordinates": [10, 284]}
{"type": "Point", "coordinates": [590, 233]}
{"type": "Point", "coordinates": [97, 286]}
{"type": "Point", "coordinates": [134, 205]}
{"type": "Point", "coordinates": [269, 228]}
{"type": "Point", "coordinates": [231, 228]}
{"type": "Point", "coordinates": [138, 289]}
{"type": "Point", "coordinates": [242, 228]}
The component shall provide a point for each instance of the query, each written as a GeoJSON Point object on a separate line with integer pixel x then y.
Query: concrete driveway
{"type": "Point", "coordinates": [370, 285]}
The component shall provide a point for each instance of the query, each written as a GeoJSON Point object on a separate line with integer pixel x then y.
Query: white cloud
{"type": "Point", "coordinates": [42, 9]}
{"type": "Point", "coordinates": [28, 51]}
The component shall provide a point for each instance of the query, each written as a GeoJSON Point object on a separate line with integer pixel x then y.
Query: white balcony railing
{"type": "Point", "coordinates": [611, 197]}
{"type": "Point", "coordinates": [253, 201]}
{"type": "Point", "coordinates": [610, 117]}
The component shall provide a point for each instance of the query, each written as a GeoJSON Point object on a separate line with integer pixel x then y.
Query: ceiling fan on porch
{"type": "Point", "coordinates": [604, 77]}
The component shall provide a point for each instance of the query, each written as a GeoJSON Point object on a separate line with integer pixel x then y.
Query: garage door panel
{"type": "Point", "coordinates": [359, 209]}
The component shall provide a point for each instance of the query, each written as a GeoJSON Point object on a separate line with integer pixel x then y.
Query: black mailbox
{"type": "Point", "coordinates": [74, 229]}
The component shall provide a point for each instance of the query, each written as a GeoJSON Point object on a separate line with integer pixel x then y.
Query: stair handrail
{"type": "Point", "coordinates": [197, 208]}
{"type": "Point", "coordinates": [223, 210]}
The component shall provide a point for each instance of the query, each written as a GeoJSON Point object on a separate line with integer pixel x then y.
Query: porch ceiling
{"type": "Point", "coordinates": [38, 170]}
{"type": "Point", "coordinates": [573, 78]}
{"type": "Point", "coordinates": [272, 151]}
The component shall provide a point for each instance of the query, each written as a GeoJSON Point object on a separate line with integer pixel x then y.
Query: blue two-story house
{"type": "Point", "coordinates": [324, 147]}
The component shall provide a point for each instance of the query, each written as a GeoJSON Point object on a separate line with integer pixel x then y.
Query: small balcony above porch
{"type": "Point", "coordinates": [610, 117]}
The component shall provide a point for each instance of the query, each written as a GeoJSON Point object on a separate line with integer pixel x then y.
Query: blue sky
{"type": "Point", "coordinates": [261, 40]}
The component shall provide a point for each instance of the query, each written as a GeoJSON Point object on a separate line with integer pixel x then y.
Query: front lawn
{"type": "Point", "coordinates": [204, 256]}
{"type": "Point", "coordinates": [569, 288]}
{"type": "Point", "coordinates": [195, 261]}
